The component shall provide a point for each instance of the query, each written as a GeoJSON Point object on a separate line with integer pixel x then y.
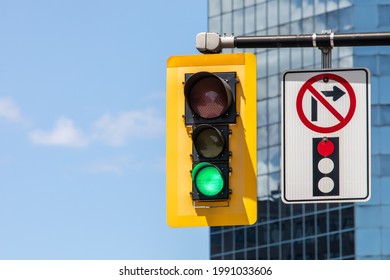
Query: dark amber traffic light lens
{"type": "Point", "coordinates": [208, 140]}
{"type": "Point", "coordinates": [208, 95]}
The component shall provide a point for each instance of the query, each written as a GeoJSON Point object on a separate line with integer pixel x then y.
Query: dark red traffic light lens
{"type": "Point", "coordinates": [208, 95]}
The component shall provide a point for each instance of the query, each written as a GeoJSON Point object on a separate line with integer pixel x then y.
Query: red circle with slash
{"type": "Point", "coordinates": [342, 120]}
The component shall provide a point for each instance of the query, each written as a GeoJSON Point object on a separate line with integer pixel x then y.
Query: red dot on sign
{"type": "Point", "coordinates": [325, 147]}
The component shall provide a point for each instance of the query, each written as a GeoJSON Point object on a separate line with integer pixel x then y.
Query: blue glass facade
{"type": "Point", "coordinates": [322, 231]}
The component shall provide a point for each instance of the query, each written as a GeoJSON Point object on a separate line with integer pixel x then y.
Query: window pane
{"type": "Point", "coordinates": [286, 251]}
{"type": "Point", "coordinates": [322, 248]}
{"type": "Point", "coordinates": [261, 17]}
{"type": "Point", "coordinates": [308, 9]}
{"type": "Point", "coordinates": [274, 184]}
{"type": "Point", "coordinates": [228, 241]}
{"type": "Point", "coordinates": [345, 19]}
{"type": "Point", "coordinates": [383, 15]}
{"type": "Point", "coordinates": [386, 241]}
{"type": "Point", "coordinates": [296, 9]}
{"type": "Point", "coordinates": [384, 64]}
{"type": "Point", "coordinates": [384, 164]}
{"type": "Point", "coordinates": [262, 137]}
{"type": "Point", "coordinates": [238, 4]}
{"type": "Point", "coordinates": [284, 12]}
{"type": "Point", "coordinates": [273, 88]}
{"type": "Point", "coordinates": [298, 228]}
{"type": "Point", "coordinates": [274, 134]}
{"type": "Point", "coordinates": [347, 243]}
{"type": "Point", "coordinates": [284, 59]}
{"type": "Point", "coordinates": [286, 230]}
{"type": "Point", "coordinates": [249, 2]}
{"type": "Point", "coordinates": [251, 236]}
{"type": "Point", "coordinates": [274, 159]}
{"type": "Point", "coordinates": [364, 248]}
{"type": "Point", "coordinates": [384, 84]}
{"type": "Point", "coordinates": [239, 239]}
{"type": "Point", "coordinates": [273, 62]}
{"type": "Point", "coordinates": [321, 223]}
{"type": "Point", "coordinates": [334, 221]}
{"type": "Point", "coordinates": [215, 241]}
{"type": "Point", "coordinates": [250, 20]}
{"type": "Point", "coordinates": [347, 218]}
{"type": "Point", "coordinates": [262, 187]}
{"type": "Point", "coordinates": [274, 252]}
{"type": "Point", "coordinates": [310, 253]}
{"type": "Point", "coordinates": [262, 162]}
{"type": "Point", "coordinates": [262, 235]}
{"type": "Point", "coordinates": [227, 26]}
{"type": "Point", "coordinates": [238, 23]}
{"type": "Point", "coordinates": [215, 24]}
{"type": "Point", "coordinates": [368, 216]}
{"type": "Point", "coordinates": [385, 221]}
{"type": "Point", "coordinates": [214, 7]}
{"type": "Point", "coordinates": [272, 13]}
{"type": "Point", "coordinates": [309, 225]}
{"type": "Point", "coordinates": [334, 246]}
{"type": "Point", "coordinates": [261, 89]}
{"type": "Point", "coordinates": [274, 233]}
{"type": "Point", "coordinates": [384, 114]}
{"type": "Point", "coordinates": [226, 5]}
{"type": "Point", "coordinates": [274, 110]}
{"type": "Point", "coordinates": [298, 250]}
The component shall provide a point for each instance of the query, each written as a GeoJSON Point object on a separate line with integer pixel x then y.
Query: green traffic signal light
{"type": "Point", "coordinates": [208, 179]}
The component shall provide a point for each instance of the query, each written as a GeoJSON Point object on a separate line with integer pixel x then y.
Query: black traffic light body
{"type": "Point", "coordinates": [210, 106]}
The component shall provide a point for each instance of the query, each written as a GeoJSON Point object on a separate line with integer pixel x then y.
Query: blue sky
{"type": "Point", "coordinates": [82, 120]}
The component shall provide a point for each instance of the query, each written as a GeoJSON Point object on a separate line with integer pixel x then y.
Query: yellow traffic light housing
{"type": "Point", "coordinates": [211, 140]}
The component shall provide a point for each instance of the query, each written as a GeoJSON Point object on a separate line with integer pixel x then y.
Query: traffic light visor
{"type": "Point", "coordinates": [208, 95]}
{"type": "Point", "coordinates": [208, 140]}
{"type": "Point", "coordinates": [208, 179]}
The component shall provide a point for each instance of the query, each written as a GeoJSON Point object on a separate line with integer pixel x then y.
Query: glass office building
{"type": "Point", "coordinates": [309, 231]}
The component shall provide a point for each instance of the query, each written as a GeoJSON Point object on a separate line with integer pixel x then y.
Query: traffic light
{"type": "Point", "coordinates": [209, 108]}
{"type": "Point", "coordinates": [211, 140]}
{"type": "Point", "coordinates": [326, 166]}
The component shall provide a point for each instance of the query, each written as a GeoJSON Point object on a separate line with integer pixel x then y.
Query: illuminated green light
{"type": "Point", "coordinates": [208, 179]}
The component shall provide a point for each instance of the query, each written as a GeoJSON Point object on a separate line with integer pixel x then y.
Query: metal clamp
{"type": "Point", "coordinates": [314, 38]}
{"type": "Point", "coordinates": [210, 42]}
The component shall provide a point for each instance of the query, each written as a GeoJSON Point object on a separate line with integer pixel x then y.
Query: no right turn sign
{"type": "Point", "coordinates": [326, 136]}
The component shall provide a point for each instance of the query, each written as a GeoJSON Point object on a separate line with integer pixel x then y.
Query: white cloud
{"type": "Point", "coordinates": [9, 110]}
{"type": "Point", "coordinates": [64, 133]}
{"type": "Point", "coordinates": [113, 130]}
{"type": "Point", "coordinates": [117, 130]}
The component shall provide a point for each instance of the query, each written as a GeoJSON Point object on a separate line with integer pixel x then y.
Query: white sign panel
{"type": "Point", "coordinates": [326, 136]}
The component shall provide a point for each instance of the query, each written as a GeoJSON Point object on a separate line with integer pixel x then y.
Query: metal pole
{"type": "Point", "coordinates": [326, 52]}
{"type": "Point", "coordinates": [326, 57]}
{"type": "Point", "coordinates": [208, 42]}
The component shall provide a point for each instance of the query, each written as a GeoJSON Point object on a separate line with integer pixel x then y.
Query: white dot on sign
{"type": "Point", "coordinates": [325, 165]}
{"type": "Point", "coordinates": [325, 184]}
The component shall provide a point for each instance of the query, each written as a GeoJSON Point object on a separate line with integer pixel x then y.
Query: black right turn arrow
{"type": "Point", "coordinates": [336, 93]}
